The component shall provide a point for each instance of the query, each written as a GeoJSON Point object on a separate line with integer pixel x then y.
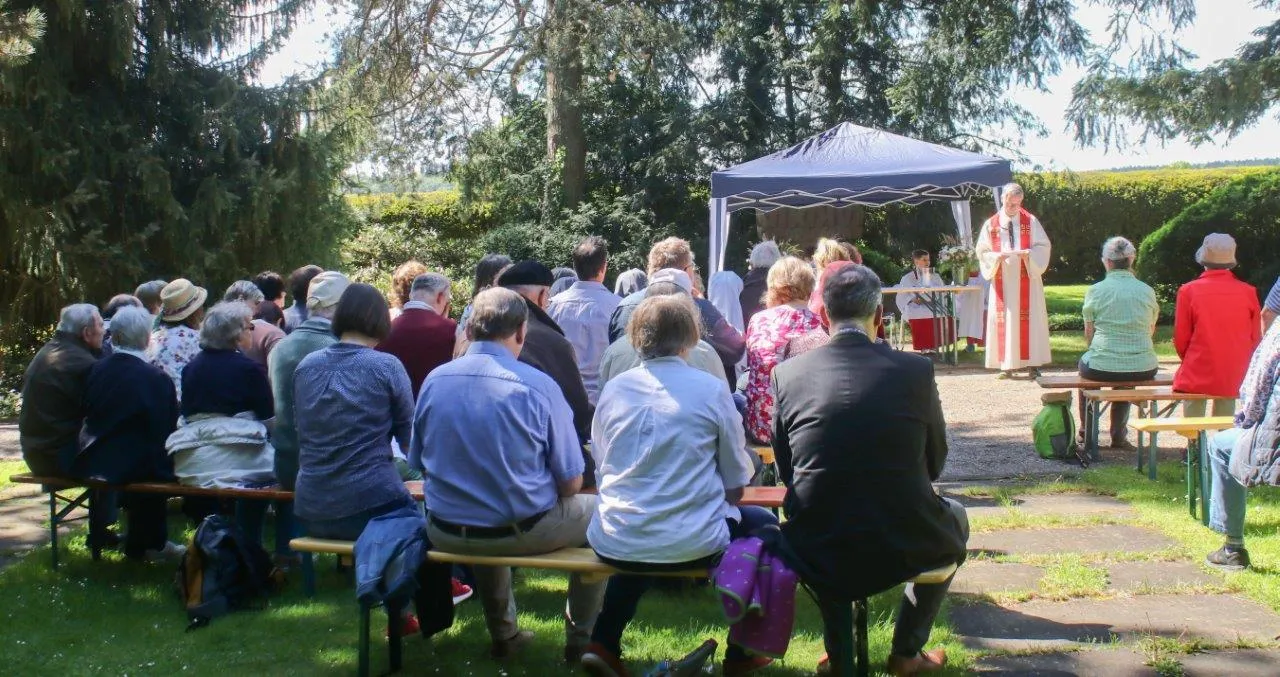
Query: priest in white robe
{"type": "Point", "coordinates": [1013, 253]}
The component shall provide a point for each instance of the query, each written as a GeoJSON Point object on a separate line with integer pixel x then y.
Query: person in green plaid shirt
{"type": "Point", "coordinates": [1119, 319]}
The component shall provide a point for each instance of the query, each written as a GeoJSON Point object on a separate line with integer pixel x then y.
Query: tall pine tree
{"type": "Point", "coordinates": [134, 144]}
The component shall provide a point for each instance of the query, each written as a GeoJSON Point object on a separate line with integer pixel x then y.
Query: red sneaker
{"type": "Point", "coordinates": [745, 666]}
{"type": "Point", "coordinates": [598, 661]}
{"type": "Point", "coordinates": [461, 592]}
{"type": "Point", "coordinates": [408, 626]}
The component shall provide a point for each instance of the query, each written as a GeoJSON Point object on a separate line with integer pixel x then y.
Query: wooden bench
{"type": "Point", "coordinates": [62, 505]}
{"type": "Point", "coordinates": [1152, 403]}
{"type": "Point", "coordinates": [1196, 431]}
{"type": "Point", "coordinates": [581, 561]}
{"type": "Point", "coordinates": [1074, 381]}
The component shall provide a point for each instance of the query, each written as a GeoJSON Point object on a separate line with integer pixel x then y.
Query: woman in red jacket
{"type": "Point", "coordinates": [1216, 327]}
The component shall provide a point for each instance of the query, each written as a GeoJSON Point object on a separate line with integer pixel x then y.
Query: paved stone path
{"type": "Point", "coordinates": [1151, 598]}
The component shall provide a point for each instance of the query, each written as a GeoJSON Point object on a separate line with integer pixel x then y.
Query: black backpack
{"type": "Point", "coordinates": [223, 571]}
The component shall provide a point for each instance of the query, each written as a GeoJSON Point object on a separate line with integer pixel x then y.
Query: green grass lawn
{"type": "Point", "coordinates": [1065, 298]}
{"type": "Point", "coordinates": [1067, 345]}
{"type": "Point", "coordinates": [117, 617]}
{"type": "Point", "coordinates": [8, 468]}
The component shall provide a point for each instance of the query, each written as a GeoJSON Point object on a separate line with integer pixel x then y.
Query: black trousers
{"type": "Point", "coordinates": [915, 618]}
{"type": "Point", "coordinates": [1119, 410]}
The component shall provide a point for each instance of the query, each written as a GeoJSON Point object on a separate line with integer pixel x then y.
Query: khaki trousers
{"type": "Point", "coordinates": [564, 526]}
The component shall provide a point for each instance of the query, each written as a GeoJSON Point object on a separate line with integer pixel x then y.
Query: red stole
{"type": "Point", "coordinates": [1024, 287]}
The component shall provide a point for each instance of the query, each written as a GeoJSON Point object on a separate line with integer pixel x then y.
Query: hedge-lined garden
{"type": "Point", "coordinates": [1079, 210]}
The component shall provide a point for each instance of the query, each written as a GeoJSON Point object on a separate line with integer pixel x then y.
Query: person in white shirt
{"type": "Point", "coordinates": [582, 311]}
{"type": "Point", "coordinates": [671, 461]}
{"type": "Point", "coordinates": [926, 329]}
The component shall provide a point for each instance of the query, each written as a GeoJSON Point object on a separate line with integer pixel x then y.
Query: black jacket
{"type": "Point", "coordinates": [52, 403]}
{"type": "Point", "coordinates": [547, 350]}
{"type": "Point", "coordinates": [131, 408]}
{"type": "Point", "coordinates": [754, 286]}
{"type": "Point", "coordinates": [859, 437]}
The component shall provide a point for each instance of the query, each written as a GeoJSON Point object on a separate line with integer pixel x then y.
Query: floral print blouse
{"type": "Point", "coordinates": [767, 337]}
{"type": "Point", "coordinates": [171, 349]}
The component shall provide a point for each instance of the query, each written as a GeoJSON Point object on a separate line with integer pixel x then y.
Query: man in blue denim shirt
{"type": "Point", "coordinates": [503, 467]}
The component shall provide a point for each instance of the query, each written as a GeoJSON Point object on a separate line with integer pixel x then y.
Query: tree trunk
{"type": "Point", "coordinates": [564, 84]}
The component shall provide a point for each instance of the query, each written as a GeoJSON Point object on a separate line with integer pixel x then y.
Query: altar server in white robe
{"type": "Point", "coordinates": [1013, 252]}
{"type": "Point", "coordinates": [915, 308]}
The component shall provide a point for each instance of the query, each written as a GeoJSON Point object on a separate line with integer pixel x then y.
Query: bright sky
{"type": "Point", "coordinates": [1221, 27]}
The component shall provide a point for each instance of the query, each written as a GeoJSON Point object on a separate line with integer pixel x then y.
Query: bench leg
{"type": "Point", "coordinates": [362, 661]}
{"type": "Point", "coordinates": [863, 668]}
{"type": "Point", "coordinates": [1152, 453]}
{"type": "Point", "coordinates": [53, 527]}
{"type": "Point", "coordinates": [1193, 458]}
{"type": "Point", "coordinates": [394, 618]}
{"type": "Point", "coordinates": [1205, 481]}
{"type": "Point", "coordinates": [308, 574]}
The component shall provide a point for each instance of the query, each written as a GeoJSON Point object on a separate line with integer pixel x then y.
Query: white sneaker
{"type": "Point", "coordinates": [170, 551]}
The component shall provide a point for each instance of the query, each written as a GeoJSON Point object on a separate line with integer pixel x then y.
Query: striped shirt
{"type": "Point", "coordinates": [1123, 310]}
{"type": "Point", "coordinates": [1273, 298]}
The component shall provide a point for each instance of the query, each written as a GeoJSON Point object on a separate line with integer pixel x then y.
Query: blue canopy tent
{"type": "Point", "coordinates": [852, 165]}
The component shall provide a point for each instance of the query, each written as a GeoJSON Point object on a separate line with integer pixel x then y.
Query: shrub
{"type": "Point", "coordinates": [1248, 209]}
{"type": "Point", "coordinates": [435, 228]}
{"type": "Point", "coordinates": [1080, 211]}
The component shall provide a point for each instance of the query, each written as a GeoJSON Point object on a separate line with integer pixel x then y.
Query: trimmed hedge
{"type": "Point", "coordinates": [1080, 211]}
{"type": "Point", "coordinates": [1248, 209]}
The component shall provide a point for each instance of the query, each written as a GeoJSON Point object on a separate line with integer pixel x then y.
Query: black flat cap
{"type": "Point", "coordinates": [526, 272]}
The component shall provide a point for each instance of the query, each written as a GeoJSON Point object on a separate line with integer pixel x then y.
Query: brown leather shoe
{"type": "Point", "coordinates": [509, 647]}
{"type": "Point", "coordinates": [926, 661]}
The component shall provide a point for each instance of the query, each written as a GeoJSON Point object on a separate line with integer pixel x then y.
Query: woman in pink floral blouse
{"type": "Point", "coordinates": [785, 316]}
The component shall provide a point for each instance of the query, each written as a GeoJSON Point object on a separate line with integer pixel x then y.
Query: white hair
{"type": "Point", "coordinates": [131, 328]}
{"type": "Point", "coordinates": [223, 324]}
{"type": "Point", "coordinates": [1011, 189]}
{"type": "Point", "coordinates": [78, 317]}
{"type": "Point", "coordinates": [244, 290]}
{"type": "Point", "coordinates": [765, 254]}
{"type": "Point", "coordinates": [1118, 249]}
{"type": "Point", "coordinates": [427, 285]}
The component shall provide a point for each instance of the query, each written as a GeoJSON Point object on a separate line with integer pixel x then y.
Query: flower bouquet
{"type": "Point", "coordinates": [955, 261]}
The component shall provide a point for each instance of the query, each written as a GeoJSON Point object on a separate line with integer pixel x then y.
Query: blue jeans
{"type": "Point", "coordinates": [623, 592]}
{"type": "Point", "coordinates": [1227, 500]}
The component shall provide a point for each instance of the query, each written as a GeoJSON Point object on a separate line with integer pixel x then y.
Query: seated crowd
{"type": "Point", "coordinates": [646, 396]}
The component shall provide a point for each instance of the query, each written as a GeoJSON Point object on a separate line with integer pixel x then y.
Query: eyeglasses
{"type": "Point", "coordinates": [248, 327]}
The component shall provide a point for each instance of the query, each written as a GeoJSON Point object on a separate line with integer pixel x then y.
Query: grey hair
{"type": "Point", "coordinates": [496, 313]}
{"type": "Point", "coordinates": [78, 317]}
{"type": "Point", "coordinates": [244, 290]}
{"type": "Point", "coordinates": [765, 254]}
{"type": "Point", "coordinates": [131, 328]}
{"type": "Point", "coordinates": [1011, 189]}
{"type": "Point", "coordinates": [149, 293]}
{"type": "Point", "coordinates": [852, 293]}
{"type": "Point", "coordinates": [429, 284]}
{"type": "Point", "coordinates": [1118, 250]}
{"type": "Point", "coordinates": [223, 324]}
